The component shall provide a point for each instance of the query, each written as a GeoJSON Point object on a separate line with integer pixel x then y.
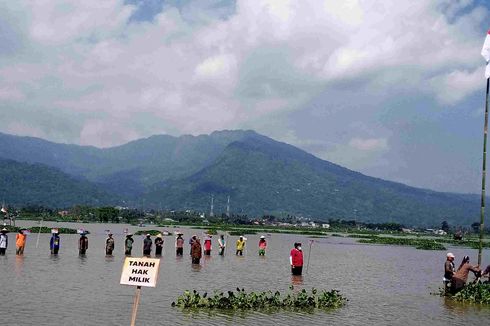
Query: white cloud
{"type": "Point", "coordinates": [369, 144]}
{"type": "Point", "coordinates": [88, 61]}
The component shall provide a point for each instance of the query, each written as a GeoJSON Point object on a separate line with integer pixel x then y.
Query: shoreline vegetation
{"type": "Point", "coordinates": [266, 300]}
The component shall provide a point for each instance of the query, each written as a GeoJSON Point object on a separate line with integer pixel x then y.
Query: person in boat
{"type": "Point", "coordinates": [128, 244]}
{"type": "Point", "coordinates": [147, 243]}
{"type": "Point", "coordinates": [82, 244]}
{"type": "Point", "coordinates": [179, 245]}
{"type": "Point", "coordinates": [20, 242]}
{"type": "Point", "coordinates": [196, 251]}
{"type": "Point", "coordinates": [449, 269]}
{"type": "Point", "coordinates": [207, 245]}
{"type": "Point", "coordinates": [109, 245]}
{"type": "Point", "coordinates": [458, 281]}
{"type": "Point", "coordinates": [240, 245]}
{"type": "Point", "coordinates": [4, 241]}
{"type": "Point", "coordinates": [54, 243]}
{"type": "Point", "coordinates": [296, 259]}
{"type": "Point", "coordinates": [158, 244]}
{"type": "Point", "coordinates": [262, 245]}
{"type": "Point", "coordinates": [222, 245]}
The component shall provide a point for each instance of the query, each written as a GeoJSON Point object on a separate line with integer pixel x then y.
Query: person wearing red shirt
{"type": "Point", "coordinates": [296, 259]}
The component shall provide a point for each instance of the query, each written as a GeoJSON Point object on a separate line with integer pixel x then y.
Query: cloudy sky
{"type": "Point", "coordinates": [393, 89]}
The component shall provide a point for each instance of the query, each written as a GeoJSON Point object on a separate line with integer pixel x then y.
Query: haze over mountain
{"type": "Point", "coordinates": [259, 174]}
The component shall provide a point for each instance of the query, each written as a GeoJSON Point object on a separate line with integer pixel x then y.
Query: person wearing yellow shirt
{"type": "Point", "coordinates": [240, 245]}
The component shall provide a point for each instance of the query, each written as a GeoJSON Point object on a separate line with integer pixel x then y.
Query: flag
{"type": "Point", "coordinates": [485, 52]}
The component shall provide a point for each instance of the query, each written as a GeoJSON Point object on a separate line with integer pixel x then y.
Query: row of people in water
{"type": "Point", "coordinates": [455, 279]}
{"type": "Point", "coordinates": [196, 249]}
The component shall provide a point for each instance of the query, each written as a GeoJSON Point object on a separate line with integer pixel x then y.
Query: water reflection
{"type": "Point", "coordinates": [19, 265]}
{"type": "Point", "coordinates": [297, 280]}
{"type": "Point", "coordinates": [196, 267]}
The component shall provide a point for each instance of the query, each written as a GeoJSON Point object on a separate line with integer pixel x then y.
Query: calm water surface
{"type": "Point", "coordinates": [385, 285]}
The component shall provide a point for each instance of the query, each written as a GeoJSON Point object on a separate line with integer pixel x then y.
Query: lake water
{"type": "Point", "coordinates": [385, 285]}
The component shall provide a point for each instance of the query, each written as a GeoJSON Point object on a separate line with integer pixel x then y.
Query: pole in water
{"type": "Point", "coordinates": [39, 233]}
{"type": "Point", "coordinates": [309, 253]}
{"type": "Point", "coordinates": [136, 303]}
{"type": "Point", "coordinates": [482, 210]}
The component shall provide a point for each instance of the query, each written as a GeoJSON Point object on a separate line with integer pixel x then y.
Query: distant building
{"type": "Point", "coordinates": [63, 213]}
{"type": "Point", "coordinates": [326, 226]}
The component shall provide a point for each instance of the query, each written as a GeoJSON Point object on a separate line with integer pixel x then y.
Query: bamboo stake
{"type": "Point", "coordinates": [136, 303]}
{"type": "Point", "coordinates": [482, 210]}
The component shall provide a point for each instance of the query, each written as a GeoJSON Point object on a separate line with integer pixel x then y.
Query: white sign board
{"type": "Point", "coordinates": [140, 271]}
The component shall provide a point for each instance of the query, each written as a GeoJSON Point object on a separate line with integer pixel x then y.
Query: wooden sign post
{"type": "Point", "coordinates": [139, 272]}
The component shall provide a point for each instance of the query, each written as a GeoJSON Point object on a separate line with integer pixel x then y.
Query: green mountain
{"type": "Point", "coordinates": [259, 174]}
{"type": "Point", "coordinates": [264, 176]}
{"type": "Point", "coordinates": [35, 184]}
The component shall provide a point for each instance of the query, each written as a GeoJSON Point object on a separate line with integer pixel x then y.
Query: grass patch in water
{"type": "Point", "coordinates": [241, 300]}
{"type": "Point", "coordinates": [424, 244]}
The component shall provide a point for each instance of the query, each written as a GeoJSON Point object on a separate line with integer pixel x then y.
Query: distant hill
{"type": "Point", "coordinates": [35, 184]}
{"type": "Point", "coordinates": [259, 174]}
{"type": "Point", "coordinates": [264, 176]}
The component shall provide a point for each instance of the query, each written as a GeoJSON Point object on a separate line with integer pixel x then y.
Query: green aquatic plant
{"type": "Point", "coordinates": [425, 244]}
{"type": "Point", "coordinates": [241, 232]}
{"type": "Point", "coordinates": [44, 229]}
{"type": "Point", "coordinates": [151, 232]}
{"type": "Point", "coordinates": [478, 293]}
{"type": "Point", "coordinates": [242, 300]}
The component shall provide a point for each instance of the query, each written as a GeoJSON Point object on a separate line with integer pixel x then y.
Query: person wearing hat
{"type": "Point", "coordinates": [262, 245]}
{"type": "Point", "coordinates": [158, 244]}
{"type": "Point", "coordinates": [458, 281]}
{"type": "Point", "coordinates": [449, 270]}
{"type": "Point", "coordinates": [54, 242]}
{"type": "Point", "coordinates": [4, 241]}
{"type": "Point", "coordinates": [147, 243]}
{"type": "Point", "coordinates": [82, 244]}
{"type": "Point", "coordinates": [128, 244]}
{"type": "Point", "coordinates": [240, 245]}
{"type": "Point", "coordinates": [207, 245]}
{"type": "Point", "coordinates": [179, 245]}
{"type": "Point", "coordinates": [296, 259]}
{"type": "Point", "coordinates": [109, 245]}
{"type": "Point", "coordinates": [222, 245]}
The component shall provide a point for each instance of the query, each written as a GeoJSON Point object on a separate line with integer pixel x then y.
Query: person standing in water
{"type": "Point", "coordinates": [147, 243]}
{"type": "Point", "coordinates": [82, 244]}
{"type": "Point", "coordinates": [4, 241]}
{"type": "Point", "coordinates": [207, 245]}
{"type": "Point", "coordinates": [20, 242]}
{"type": "Point", "coordinates": [449, 270]}
{"type": "Point", "coordinates": [191, 241]}
{"type": "Point", "coordinates": [262, 245]}
{"type": "Point", "coordinates": [109, 245]}
{"type": "Point", "coordinates": [54, 243]}
{"type": "Point", "coordinates": [128, 244]}
{"type": "Point", "coordinates": [179, 245]}
{"type": "Point", "coordinates": [459, 278]}
{"type": "Point", "coordinates": [240, 245]}
{"type": "Point", "coordinates": [196, 251]}
{"type": "Point", "coordinates": [222, 245]}
{"type": "Point", "coordinates": [158, 244]}
{"type": "Point", "coordinates": [296, 259]}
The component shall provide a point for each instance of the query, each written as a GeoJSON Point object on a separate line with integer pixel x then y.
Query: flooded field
{"type": "Point", "coordinates": [385, 285]}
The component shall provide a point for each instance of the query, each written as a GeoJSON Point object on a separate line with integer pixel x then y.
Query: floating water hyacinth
{"type": "Point", "coordinates": [474, 293]}
{"type": "Point", "coordinates": [241, 300]}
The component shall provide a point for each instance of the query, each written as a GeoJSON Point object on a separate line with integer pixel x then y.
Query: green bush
{"type": "Point", "coordinates": [241, 300]}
